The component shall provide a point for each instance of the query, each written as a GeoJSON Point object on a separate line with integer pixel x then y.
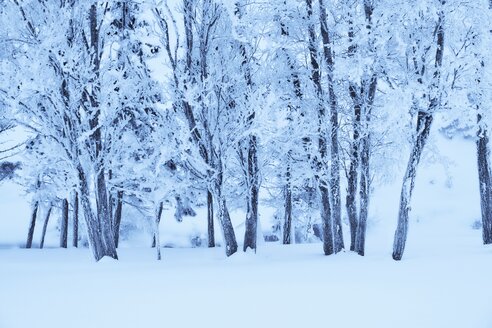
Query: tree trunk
{"type": "Point", "coordinates": [101, 239]}
{"type": "Point", "coordinates": [252, 217]}
{"type": "Point", "coordinates": [326, 218]}
{"type": "Point", "coordinates": [64, 225]}
{"type": "Point", "coordinates": [365, 154]}
{"type": "Point", "coordinates": [117, 217]}
{"type": "Point", "coordinates": [364, 195]}
{"type": "Point", "coordinates": [335, 155]}
{"type": "Point", "coordinates": [287, 231]}
{"type": "Point", "coordinates": [328, 242]}
{"type": "Point", "coordinates": [423, 129]}
{"type": "Point", "coordinates": [484, 176]}
{"type": "Point", "coordinates": [156, 233]}
{"type": "Point", "coordinates": [45, 226]}
{"type": "Point", "coordinates": [30, 233]}
{"type": "Point", "coordinates": [227, 228]}
{"type": "Point", "coordinates": [350, 200]}
{"type": "Point", "coordinates": [210, 219]}
{"type": "Point", "coordinates": [99, 224]}
{"type": "Point", "coordinates": [75, 240]}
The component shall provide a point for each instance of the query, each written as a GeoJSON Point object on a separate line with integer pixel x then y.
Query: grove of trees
{"type": "Point", "coordinates": [179, 103]}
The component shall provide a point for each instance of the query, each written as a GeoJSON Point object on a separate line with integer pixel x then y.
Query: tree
{"type": "Point", "coordinates": [73, 109]}
{"type": "Point", "coordinates": [427, 74]}
{"type": "Point", "coordinates": [199, 97]}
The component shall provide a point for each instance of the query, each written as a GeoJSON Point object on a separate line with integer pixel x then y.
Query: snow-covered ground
{"type": "Point", "coordinates": [442, 281]}
{"type": "Point", "coordinates": [281, 286]}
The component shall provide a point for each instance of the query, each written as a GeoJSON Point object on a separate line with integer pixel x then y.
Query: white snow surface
{"type": "Point", "coordinates": [281, 286]}
{"type": "Point", "coordinates": [442, 281]}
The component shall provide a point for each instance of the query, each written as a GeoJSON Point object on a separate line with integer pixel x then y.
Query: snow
{"type": "Point", "coordinates": [443, 279]}
{"type": "Point", "coordinates": [281, 286]}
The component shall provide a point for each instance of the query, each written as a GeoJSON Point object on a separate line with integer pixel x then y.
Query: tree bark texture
{"type": "Point", "coordinates": [45, 226]}
{"type": "Point", "coordinates": [321, 162]}
{"type": "Point", "coordinates": [484, 176]}
{"type": "Point", "coordinates": [287, 231]}
{"type": "Point", "coordinates": [64, 224]}
{"type": "Point", "coordinates": [32, 224]}
{"type": "Point", "coordinates": [352, 179]}
{"type": "Point", "coordinates": [75, 237]}
{"type": "Point", "coordinates": [423, 128]}
{"type": "Point", "coordinates": [99, 223]}
{"type": "Point", "coordinates": [335, 154]}
{"type": "Point", "coordinates": [252, 216]}
{"type": "Point", "coordinates": [157, 234]}
{"type": "Point", "coordinates": [227, 228]}
{"type": "Point", "coordinates": [210, 219]}
{"type": "Point", "coordinates": [101, 236]}
{"type": "Point", "coordinates": [117, 217]}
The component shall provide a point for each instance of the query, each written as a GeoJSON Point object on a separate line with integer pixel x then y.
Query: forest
{"type": "Point", "coordinates": [180, 105]}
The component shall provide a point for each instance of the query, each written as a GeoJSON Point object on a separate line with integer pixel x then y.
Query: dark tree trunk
{"type": "Point", "coordinates": [287, 231]}
{"type": "Point", "coordinates": [251, 224]}
{"type": "Point", "coordinates": [368, 93]}
{"type": "Point", "coordinates": [101, 239]}
{"type": "Point", "coordinates": [227, 228]}
{"type": "Point", "coordinates": [117, 217]}
{"type": "Point", "coordinates": [335, 154]}
{"type": "Point", "coordinates": [423, 129]}
{"type": "Point", "coordinates": [350, 200]}
{"type": "Point", "coordinates": [75, 237]}
{"type": "Point", "coordinates": [484, 176]}
{"type": "Point", "coordinates": [321, 162]}
{"type": "Point", "coordinates": [157, 239]}
{"type": "Point", "coordinates": [252, 217]}
{"type": "Point", "coordinates": [328, 244]}
{"type": "Point", "coordinates": [364, 196]}
{"type": "Point", "coordinates": [32, 224]}
{"type": "Point", "coordinates": [100, 229]}
{"type": "Point", "coordinates": [210, 219]}
{"type": "Point", "coordinates": [64, 225]}
{"type": "Point", "coordinates": [45, 226]}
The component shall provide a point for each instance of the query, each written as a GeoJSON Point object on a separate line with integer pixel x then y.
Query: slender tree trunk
{"type": "Point", "coordinates": [353, 173]}
{"type": "Point", "coordinates": [335, 154]}
{"type": "Point", "coordinates": [32, 224]}
{"type": "Point", "coordinates": [210, 219]}
{"type": "Point", "coordinates": [251, 224]}
{"type": "Point", "coordinates": [296, 83]}
{"type": "Point", "coordinates": [423, 128]}
{"type": "Point", "coordinates": [117, 217]}
{"type": "Point", "coordinates": [64, 225]}
{"type": "Point", "coordinates": [156, 233]}
{"type": "Point", "coordinates": [484, 176]}
{"type": "Point", "coordinates": [45, 226]}
{"type": "Point", "coordinates": [287, 231]}
{"type": "Point", "coordinates": [364, 196]}
{"type": "Point", "coordinates": [75, 240]}
{"type": "Point", "coordinates": [350, 200]}
{"type": "Point", "coordinates": [252, 217]}
{"type": "Point", "coordinates": [321, 162]}
{"type": "Point", "coordinates": [328, 245]}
